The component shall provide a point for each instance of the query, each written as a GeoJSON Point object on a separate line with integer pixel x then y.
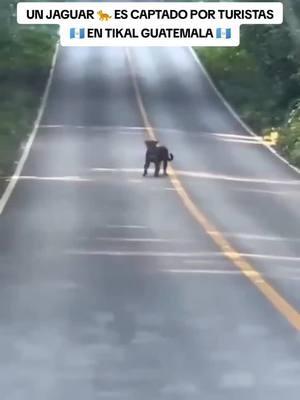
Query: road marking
{"type": "Point", "coordinates": [119, 130]}
{"type": "Point", "coordinates": [151, 240]}
{"type": "Point", "coordinates": [239, 141]}
{"type": "Point", "coordinates": [279, 302]}
{"type": "Point", "coordinates": [51, 178]}
{"type": "Point", "coordinates": [206, 261]}
{"type": "Point", "coordinates": [250, 236]}
{"type": "Point", "coordinates": [134, 180]}
{"type": "Point", "coordinates": [127, 226]}
{"type": "Point", "coordinates": [139, 170]}
{"type": "Point", "coordinates": [201, 271]}
{"type": "Point", "coordinates": [236, 116]}
{"type": "Point", "coordinates": [232, 255]}
{"type": "Point", "coordinates": [198, 134]}
{"type": "Point", "coordinates": [235, 136]}
{"type": "Point", "coordinates": [271, 192]}
{"type": "Point", "coordinates": [191, 174]}
{"type": "Point", "coordinates": [181, 240]}
{"type": "Point", "coordinates": [290, 276]}
{"type": "Point", "coordinates": [270, 257]}
{"type": "Point", "coordinates": [254, 255]}
{"type": "Point", "coordinates": [206, 175]}
{"type": "Point", "coordinates": [20, 165]}
{"type": "Point", "coordinates": [121, 253]}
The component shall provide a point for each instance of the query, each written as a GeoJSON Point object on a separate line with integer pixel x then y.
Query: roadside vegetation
{"type": "Point", "coordinates": [261, 78]}
{"type": "Point", "coordinates": [25, 58]}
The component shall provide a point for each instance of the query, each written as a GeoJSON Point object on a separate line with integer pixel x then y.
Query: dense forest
{"type": "Point", "coordinates": [25, 58]}
{"type": "Point", "coordinates": [261, 78]}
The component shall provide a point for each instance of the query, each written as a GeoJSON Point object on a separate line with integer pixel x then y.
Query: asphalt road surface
{"type": "Point", "coordinates": [112, 285]}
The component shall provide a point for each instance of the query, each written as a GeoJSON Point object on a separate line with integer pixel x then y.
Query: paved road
{"type": "Point", "coordinates": [110, 288]}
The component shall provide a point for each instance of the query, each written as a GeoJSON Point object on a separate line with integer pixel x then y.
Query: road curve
{"type": "Point", "coordinates": [110, 288]}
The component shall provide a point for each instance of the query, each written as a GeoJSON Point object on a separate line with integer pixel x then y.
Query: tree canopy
{"type": "Point", "coordinates": [261, 77]}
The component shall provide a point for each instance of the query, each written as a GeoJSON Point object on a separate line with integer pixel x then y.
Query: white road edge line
{"type": "Point", "coordinates": [125, 253]}
{"type": "Point", "coordinates": [203, 271]}
{"type": "Point", "coordinates": [235, 114]}
{"type": "Point", "coordinates": [20, 164]}
{"type": "Point", "coordinates": [133, 240]}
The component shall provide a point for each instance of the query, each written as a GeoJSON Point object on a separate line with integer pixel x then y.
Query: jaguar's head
{"type": "Point", "coordinates": [151, 143]}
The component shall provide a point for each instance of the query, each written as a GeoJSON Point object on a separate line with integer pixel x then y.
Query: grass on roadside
{"type": "Point", "coordinates": [262, 104]}
{"type": "Point", "coordinates": [25, 58]}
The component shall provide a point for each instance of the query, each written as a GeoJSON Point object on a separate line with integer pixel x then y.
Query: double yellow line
{"type": "Point", "coordinates": [289, 312]}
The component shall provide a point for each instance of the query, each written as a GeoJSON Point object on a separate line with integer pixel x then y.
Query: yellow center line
{"type": "Point", "coordinates": [278, 301]}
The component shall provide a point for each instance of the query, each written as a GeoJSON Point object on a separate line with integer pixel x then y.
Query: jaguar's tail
{"type": "Point", "coordinates": [171, 157]}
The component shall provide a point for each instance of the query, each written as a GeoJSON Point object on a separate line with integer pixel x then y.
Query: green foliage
{"type": "Point", "coordinates": [290, 142]}
{"type": "Point", "coordinates": [25, 58]}
{"type": "Point", "coordinates": [261, 78]}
